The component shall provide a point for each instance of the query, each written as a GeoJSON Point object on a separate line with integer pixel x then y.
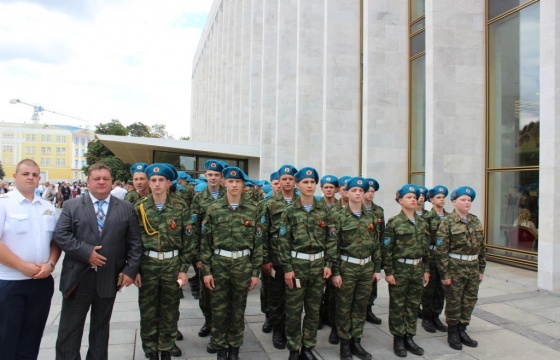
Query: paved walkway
{"type": "Point", "coordinates": [513, 320]}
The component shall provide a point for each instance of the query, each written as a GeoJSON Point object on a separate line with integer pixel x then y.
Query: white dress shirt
{"type": "Point", "coordinates": [119, 192]}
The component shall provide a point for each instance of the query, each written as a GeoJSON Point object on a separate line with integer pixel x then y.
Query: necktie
{"type": "Point", "coordinates": [100, 215]}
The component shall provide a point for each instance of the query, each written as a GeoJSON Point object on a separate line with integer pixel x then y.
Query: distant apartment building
{"type": "Point", "coordinates": [58, 149]}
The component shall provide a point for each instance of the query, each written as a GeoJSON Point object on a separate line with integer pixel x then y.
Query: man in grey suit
{"type": "Point", "coordinates": [100, 236]}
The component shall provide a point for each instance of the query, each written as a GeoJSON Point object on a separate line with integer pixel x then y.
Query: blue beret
{"type": "Point", "coordinates": [438, 189]}
{"type": "Point", "coordinates": [184, 175]}
{"type": "Point", "coordinates": [200, 187]}
{"type": "Point", "coordinates": [287, 170]}
{"type": "Point", "coordinates": [214, 165]}
{"type": "Point", "coordinates": [161, 169]}
{"type": "Point", "coordinates": [233, 172]}
{"type": "Point", "coordinates": [405, 189]}
{"type": "Point", "coordinates": [373, 183]}
{"type": "Point", "coordinates": [342, 181]}
{"type": "Point", "coordinates": [329, 179]}
{"type": "Point", "coordinates": [138, 167]}
{"type": "Point", "coordinates": [307, 173]}
{"type": "Point", "coordinates": [274, 176]}
{"type": "Point", "coordinates": [463, 190]}
{"type": "Point", "coordinates": [357, 181]}
{"type": "Point", "coordinates": [266, 188]}
{"type": "Point", "coordinates": [422, 190]}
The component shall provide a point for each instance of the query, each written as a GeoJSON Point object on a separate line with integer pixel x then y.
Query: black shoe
{"type": "Point", "coordinates": [357, 349]}
{"type": "Point", "coordinates": [465, 338]}
{"type": "Point", "coordinates": [165, 355]}
{"type": "Point", "coordinates": [196, 295]}
{"type": "Point", "coordinates": [278, 340]}
{"type": "Point", "coordinates": [428, 325]}
{"type": "Point", "coordinates": [333, 336]}
{"type": "Point", "coordinates": [153, 356]}
{"type": "Point", "coordinates": [233, 353]}
{"type": "Point", "coordinates": [175, 352]}
{"type": "Point", "coordinates": [398, 346]}
{"type": "Point", "coordinates": [438, 324]}
{"type": "Point", "coordinates": [222, 354]}
{"type": "Point", "coordinates": [453, 337]}
{"type": "Point", "coordinates": [179, 336]}
{"type": "Point", "coordinates": [294, 355]}
{"type": "Point", "coordinates": [267, 326]}
{"type": "Point", "coordinates": [370, 317]}
{"type": "Point", "coordinates": [204, 330]}
{"type": "Point", "coordinates": [345, 351]}
{"type": "Point", "coordinates": [306, 354]}
{"type": "Point", "coordinates": [411, 346]}
{"type": "Point", "coordinates": [212, 349]}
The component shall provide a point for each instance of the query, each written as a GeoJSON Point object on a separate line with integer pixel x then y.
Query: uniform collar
{"type": "Point", "coordinates": [20, 198]}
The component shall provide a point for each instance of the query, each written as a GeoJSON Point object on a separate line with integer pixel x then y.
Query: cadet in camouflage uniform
{"type": "Point", "coordinates": [165, 261]}
{"type": "Point", "coordinates": [231, 254]}
{"type": "Point", "coordinates": [201, 201]}
{"type": "Point", "coordinates": [306, 251]}
{"type": "Point", "coordinates": [406, 265]}
{"type": "Point", "coordinates": [343, 201]}
{"type": "Point", "coordinates": [140, 182]}
{"type": "Point", "coordinates": [461, 261]}
{"type": "Point", "coordinates": [358, 262]}
{"type": "Point", "coordinates": [187, 193]}
{"type": "Point", "coordinates": [433, 295]}
{"type": "Point", "coordinates": [270, 221]}
{"type": "Point", "coordinates": [379, 213]}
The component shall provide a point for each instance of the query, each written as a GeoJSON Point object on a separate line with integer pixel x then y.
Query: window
{"type": "Point", "coordinates": [8, 148]}
{"type": "Point", "coordinates": [76, 164]}
{"type": "Point", "coordinates": [7, 136]}
{"type": "Point", "coordinates": [45, 150]}
{"type": "Point", "coordinates": [30, 150]}
{"type": "Point", "coordinates": [30, 137]}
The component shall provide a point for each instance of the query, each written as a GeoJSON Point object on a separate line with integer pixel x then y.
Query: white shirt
{"type": "Point", "coordinates": [105, 206]}
{"type": "Point", "coordinates": [119, 192]}
{"type": "Point", "coordinates": [26, 228]}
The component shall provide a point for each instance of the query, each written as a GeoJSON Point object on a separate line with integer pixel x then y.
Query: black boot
{"type": "Point", "coordinates": [465, 338]}
{"type": "Point", "coordinates": [179, 336]}
{"type": "Point", "coordinates": [345, 351]}
{"type": "Point", "coordinates": [165, 355]}
{"type": "Point", "coordinates": [153, 356]}
{"type": "Point", "coordinates": [398, 346]}
{"type": "Point", "coordinates": [428, 324]}
{"type": "Point", "coordinates": [267, 326]}
{"type": "Point", "coordinates": [333, 336]}
{"type": "Point", "coordinates": [453, 337]}
{"type": "Point", "coordinates": [278, 340]}
{"type": "Point", "coordinates": [233, 353]}
{"type": "Point", "coordinates": [370, 317]}
{"type": "Point", "coordinates": [294, 355]}
{"type": "Point", "coordinates": [205, 329]}
{"type": "Point", "coordinates": [221, 354]}
{"type": "Point", "coordinates": [411, 346]}
{"type": "Point", "coordinates": [211, 348]}
{"type": "Point", "coordinates": [438, 324]}
{"type": "Point", "coordinates": [358, 350]}
{"type": "Point", "coordinates": [175, 352]}
{"type": "Point", "coordinates": [306, 354]}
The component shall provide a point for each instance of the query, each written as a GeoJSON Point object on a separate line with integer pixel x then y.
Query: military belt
{"type": "Point", "coordinates": [161, 255]}
{"type": "Point", "coordinates": [410, 261]}
{"type": "Point", "coordinates": [463, 257]}
{"type": "Point", "coordinates": [310, 257]}
{"type": "Point", "coordinates": [432, 247]}
{"type": "Point", "coordinates": [232, 254]}
{"type": "Point", "coordinates": [353, 260]}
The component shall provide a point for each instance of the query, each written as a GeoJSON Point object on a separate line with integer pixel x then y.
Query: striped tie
{"type": "Point", "coordinates": [100, 215]}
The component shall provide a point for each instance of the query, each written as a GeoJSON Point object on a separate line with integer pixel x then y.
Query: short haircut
{"type": "Point", "coordinates": [99, 166]}
{"type": "Point", "coordinates": [28, 162]}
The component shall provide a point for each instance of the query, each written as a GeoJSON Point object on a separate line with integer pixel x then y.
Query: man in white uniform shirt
{"type": "Point", "coordinates": [27, 259]}
{"type": "Point", "coordinates": [118, 191]}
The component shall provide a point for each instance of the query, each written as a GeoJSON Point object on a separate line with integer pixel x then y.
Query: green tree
{"type": "Point", "coordinates": [185, 138]}
{"type": "Point", "coordinates": [139, 129]}
{"type": "Point", "coordinates": [114, 127]}
{"type": "Point", "coordinates": [2, 172]}
{"type": "Point", "coordinates": [159, 131]}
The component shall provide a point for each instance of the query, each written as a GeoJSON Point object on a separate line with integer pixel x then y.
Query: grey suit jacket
{"type": "Point", "coordinates": [76, 233]}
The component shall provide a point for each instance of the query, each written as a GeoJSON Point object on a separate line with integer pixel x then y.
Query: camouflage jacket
{"type": "Point", "coordinates": [433, 220]}
{"type": "Point", "coordinates": [379, 213]}
{"type": "Point", "coordinates": [197, 213]}
{"type": "Point", "coordinates": [306, 232]}
{"type": "Point", "coordinates": [270, 221]}
{"type": "Point", "coordinates": [357, 237]}
{"type": "Point", "coordinates": [187, 194]}
{"type": "Point", "coordinates": [404, 240]}
{"type": "Point", "coordinates": [132, 197]}
{"type": "Point", "coordinates": [232, 230]}
{"type": "Point", "coordinates": [456, 237]}
{"type": "Point", "coordinates": [165, 230]}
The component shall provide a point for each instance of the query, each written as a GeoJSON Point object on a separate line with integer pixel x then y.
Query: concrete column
{"type": "Point", "coordinates": [245, 42]}
{"type": "Point", "coordinates": [549, 174]}
{"type": "Point", "coordinates": [256, 75]}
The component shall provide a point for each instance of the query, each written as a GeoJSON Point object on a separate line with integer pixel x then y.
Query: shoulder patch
{"type": "Point", "coordinates": [387, 241]}
{"type": "Point", "coordinates": [263, 219]}
{"type": "Point", "coordinates": [282, 230]}
{"type": "Point", "coordinates": [193, 218]}
{"type": "Point", "coordinates": [439, 241]}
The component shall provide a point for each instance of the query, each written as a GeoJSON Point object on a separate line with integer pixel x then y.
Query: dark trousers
{"type": "Point", "coordinates": [24, 309]}
{"type": "Point", "coordinates": [73, 318]}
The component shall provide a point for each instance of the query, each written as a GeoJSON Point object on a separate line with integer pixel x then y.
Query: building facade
{"type": "Point", "coordinates": [423, 91]}
{"type": "Point", "coordinates": [59, 150]}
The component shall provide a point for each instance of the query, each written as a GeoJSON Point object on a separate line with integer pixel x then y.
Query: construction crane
{"type": "Point", "coordinates": [39, 109]}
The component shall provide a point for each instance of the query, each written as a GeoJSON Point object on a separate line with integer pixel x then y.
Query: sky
{"type": "Point", "coordinates": [98, 60]}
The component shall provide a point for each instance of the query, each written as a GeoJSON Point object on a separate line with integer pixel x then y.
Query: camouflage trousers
{"type": "Point", "coordinates": [462, 294]}
{"type": "Point", "coordinates": [404, 298]}
{"type": "Point", "coordinates": [328, 305]}
{"type": "Point", "coordinates": [433, 295]}
{"type": "Point", "coordinates": [310, 275]}
{"type": "Point", "coordinates": [205, 300]}
{"type": "Point", "coordinates": [373, 294]}
{"type": "Point", "coordinates": [352, 299]}
{"type": "Point", "coordinates": [158, 298]}
{"type": "Point", "coordinates": [277, 298]}
{"type": "Point", "coordinates": [265, 289]}
{"type": "Point", "coordinates": [232, 278]}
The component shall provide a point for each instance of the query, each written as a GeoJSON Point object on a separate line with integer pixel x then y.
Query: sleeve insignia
{"type": "Point", "coordinates": [439, 241]}
{"type": "Point", "coordinates": [188, 230]}
{"type": "Point", "coordinates": [332, 231]}
{"type": "Point", "coordinates": [193, 218]}
{"type": "Point", "coordinates": [203, 228]}
{"type": "Point", "coordinates": [259, 232]}
{"type": "Point", "coordinates": [263, 219]}
{"type": "Point", "coordinates": [282, 230]}
{"type": "Point", "coordinates": [387, 241]}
